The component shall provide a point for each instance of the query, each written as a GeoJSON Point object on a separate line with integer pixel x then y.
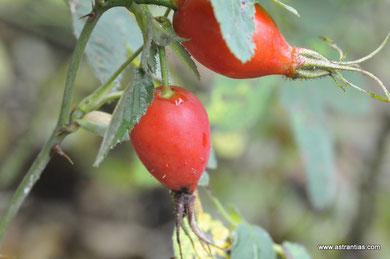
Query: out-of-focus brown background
{"type": "Point", "coordinates": [119, 211]}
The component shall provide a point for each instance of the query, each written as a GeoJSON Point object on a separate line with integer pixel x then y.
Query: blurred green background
{"type": "Point", "coordinates": [266, 133]}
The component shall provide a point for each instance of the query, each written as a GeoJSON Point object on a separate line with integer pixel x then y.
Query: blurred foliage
{"type": "Point", "coordinates": [113, 209]}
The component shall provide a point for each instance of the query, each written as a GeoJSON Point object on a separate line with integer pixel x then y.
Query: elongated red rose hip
{"type": "Point", "coordinates": [173, 139]}
{"type": "Point", "coordinates": [195, 20]}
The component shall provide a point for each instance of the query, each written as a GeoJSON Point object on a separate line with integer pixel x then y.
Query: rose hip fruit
{"type": "Point", "coordinates": [173, 139]}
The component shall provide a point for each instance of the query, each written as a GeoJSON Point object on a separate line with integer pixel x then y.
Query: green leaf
{"type": "Point", "coordinates": [132, 105]}
{"type": "Point", "coordinates": [232, 98]}
{"type": "Point", "coordinates": [295, 251]}
{"type": "Point", "coordinates": [305, 107]}
{"type": "Point", "coordinates": [252, 242]}
{"type": "Point", "coordinates": [185, 57]}
{"type": "Point", "coordinates": [204, 179]}
{"type": "Point", "coordinates": [287, 7]}
{"type": "Point", "coordinates": [115, 33]}
{"type": "Point", "coordinates": [236, 19]}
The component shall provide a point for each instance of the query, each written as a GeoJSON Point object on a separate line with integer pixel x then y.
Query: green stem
{"type": "Point", "coordinates": [279, 251]}
{"type": "Point", "coordinates": [28, 182]}
{"type": "Point", "coordinates": [63, 128]}
{"type": "Point", "coordinates": [56, 138]}
{"type": "Point", "coordinates": [78, 52]}
{"type": "Point", "coordinates": [167, 91]}
{"type": "Point", "coordinates": [94, 100]}
{"type": "Point", "coordinates": [107, 98]}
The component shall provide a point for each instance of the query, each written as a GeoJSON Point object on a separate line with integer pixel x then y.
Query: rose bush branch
{"type": "Point", "coordinates": [65, 124]}
{"type": "Point", "coordinates": [62, 129]}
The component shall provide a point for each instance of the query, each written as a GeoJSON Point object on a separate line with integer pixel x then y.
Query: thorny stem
{"type": "Point", "coordinates": [28, 181]}
{"type": "Point", "coordinates": [64, 125]}
{"type": "Point", "coordinates": [74, 67]}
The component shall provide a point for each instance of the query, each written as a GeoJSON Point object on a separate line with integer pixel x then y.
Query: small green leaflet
{"type": "Point", "coordinates": [236, 19]}
{"type": "Point", "coordinates": [252, 242]}
{"type": "Point", "coordinates": [287, 7]}
{"type": "Point", "coordinates": [132, 105]}
{"type": "Point", "coordinates": [295, 251]}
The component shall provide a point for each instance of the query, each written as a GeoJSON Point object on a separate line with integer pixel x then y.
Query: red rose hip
{"type": "Point", "coordinates": [195, 20]}
{"type": "Point", "coordinates": [173, 139]}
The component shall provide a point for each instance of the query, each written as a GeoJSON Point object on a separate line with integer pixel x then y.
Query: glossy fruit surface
{"type": "Point", "coordinates": [173, 139]}
{"type": "Point", "coordinates": [195, 20]}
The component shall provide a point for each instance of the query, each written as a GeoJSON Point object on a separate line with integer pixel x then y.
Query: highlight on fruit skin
{"type": "Point", "coordinates": [195, 20]}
